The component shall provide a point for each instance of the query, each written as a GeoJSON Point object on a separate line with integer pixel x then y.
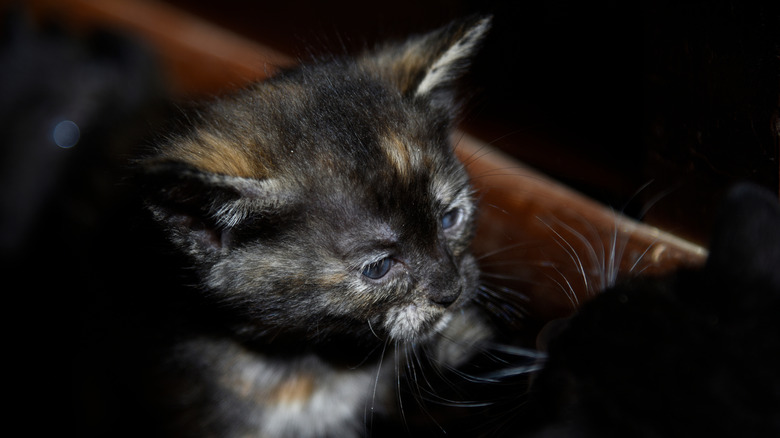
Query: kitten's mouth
{"type": "Point", "coordinates": [413, 322]}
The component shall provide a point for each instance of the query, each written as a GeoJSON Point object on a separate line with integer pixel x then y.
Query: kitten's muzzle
{"type": "Point", "coordinates": [444, 297]}
{"type": "Point", "coordinates": [444, 285]}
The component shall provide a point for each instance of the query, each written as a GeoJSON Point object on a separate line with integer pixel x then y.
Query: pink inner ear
{"type": "Point", "coordinates": [205, 236]}
{"type": "Point", "coordinates": [209, 238]}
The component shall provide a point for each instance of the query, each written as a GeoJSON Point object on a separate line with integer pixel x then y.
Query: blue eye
{"type": "Point", "coordinates": [450, 218]}
{"type": "Point", "coordinates": [378, 269]}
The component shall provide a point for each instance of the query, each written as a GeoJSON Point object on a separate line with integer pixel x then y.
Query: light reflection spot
{"type": "Point", "coordinates": [66, 134]}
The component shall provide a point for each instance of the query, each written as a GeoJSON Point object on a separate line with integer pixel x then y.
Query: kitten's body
{"type": "Point", "coordinates": [328, 223]}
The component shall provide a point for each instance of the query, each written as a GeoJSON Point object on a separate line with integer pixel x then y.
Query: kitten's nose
{"type": "Point", "coordinates": [445, 297]}
{"type": "Point", "coordinates": [444, 285]}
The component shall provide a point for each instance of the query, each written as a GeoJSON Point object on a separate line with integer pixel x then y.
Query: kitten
{"type": "Point", "coordinates": [327, 222]}
{"type": "Point", "coordinates": [695, 353]}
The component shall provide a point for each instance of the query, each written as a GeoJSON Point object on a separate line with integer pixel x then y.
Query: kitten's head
{"type": "Point", "coordinates": [327, 201]}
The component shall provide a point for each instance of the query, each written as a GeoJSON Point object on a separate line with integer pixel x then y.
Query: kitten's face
{"type": "Point", "coordinates": [327, 202]}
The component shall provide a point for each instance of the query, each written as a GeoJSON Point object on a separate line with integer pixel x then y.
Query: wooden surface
{"type": "Point", "coordinates": [535, 235]}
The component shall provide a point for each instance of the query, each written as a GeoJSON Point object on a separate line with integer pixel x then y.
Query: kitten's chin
{"type": "Point", "coordinates": [412, 322]}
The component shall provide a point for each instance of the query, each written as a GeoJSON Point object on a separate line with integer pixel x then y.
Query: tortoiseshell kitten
{"type": "Point", "coordinates": [328, 222]}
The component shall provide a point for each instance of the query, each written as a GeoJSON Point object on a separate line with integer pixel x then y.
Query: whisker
{"type": "Point", "coordinates": [571, 252]}
{"type": "Point", "coordinates": [506, 172]}
{"type": "Point", "coordinates": [499, 304]}
{"type": "Point", "coordinates": [637, 192]}
{"type": "Point", "coordinates": [612, 269]}
{"type": "Point", "coordinates": [438, 367]}
{"type": "Point", "coordinates": [509, 134]}
{"type": "Point", "coordinates": [366, 358]}
{"type": "Point", "coordinates": [417, 389]}
{"type": "Point", "coordinates": [537, 358]}
{"type": "Point", "coordinates": [590, 250]}
{"type": "Point", "coordinates": [476, 155]}
{"type": "Point", "coordinates": [513, 371]}
{"type": "Point", "coordinates": [501, 276]}
{"type": "Point", "coordinates": [655, 199]}
{"type": "Point", "coordinates": [372, 330]}
{"type": "Point", "coordinates": [569, 293]}
{"type": "Point", "coordinates": [368, 419]}
{"type": "Point", "coordinates": [642, 256]}
{"type": "Point", "coordinates": [502, 264]}
{"type": "Point", "coordinates": [503, 290]}
{"type": "Point", "coordinates": [412, 370]}
{"type": "Point", "coordinates": [399, 395]}
{"type": "Point", "coordinates": [501, 250]}
{"type": "Point", "coordinates": [519, 351]}
{"type": "Point", "coordinates": [642, 270]}
{"type": "Point", "coordinates": [496, 207]}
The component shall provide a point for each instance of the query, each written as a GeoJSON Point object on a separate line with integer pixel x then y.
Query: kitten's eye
{"type": "Point", "coordinates": [378, 269]}
{"type": "Point", "coordinates": [450, 218]}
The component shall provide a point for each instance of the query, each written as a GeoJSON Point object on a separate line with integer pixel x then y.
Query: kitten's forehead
{"type": "Point", "coordinates": [366, 131]}
{"type": "Point", "coordinates": [405, 159]}
{"type": "Point", "coordinates": [412, 158]}
{"type": "Point", "coordinates": [354, 132]}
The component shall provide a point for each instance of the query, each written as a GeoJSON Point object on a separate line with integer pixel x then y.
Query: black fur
{"type": "Point", "coordinates": [697, 353]}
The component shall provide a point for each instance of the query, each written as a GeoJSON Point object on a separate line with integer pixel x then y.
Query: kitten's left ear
{"type": "Point", "coordinates": [427, 66]}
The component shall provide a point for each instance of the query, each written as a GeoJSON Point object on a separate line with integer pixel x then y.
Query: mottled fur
{"type": "Point", "coordinates": [326, 217]}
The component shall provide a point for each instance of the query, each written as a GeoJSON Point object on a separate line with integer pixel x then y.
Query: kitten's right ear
{"type": "Point", "coordinates": [201, 208]}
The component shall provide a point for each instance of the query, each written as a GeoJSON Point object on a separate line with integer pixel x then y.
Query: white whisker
{"type": "Point", "coordinates": [613, 267]}
{"type": "Point", "coordinates": [368, 419]}
{"type": "Point", "coordinates": [513, 371]}
{"type": "Point", "coordinates": [519, 351]}
{"type": "Point", "coordinates": [502, 276]}
{"type": "Point", "coordinates": [499, 304]}
{"type": "Point", "coordinates": [642, 256]}
{"type": "Point", "coordinates": [655, 199]}
{"type": "Point", "coordinates": [568, 292]}
{"type": "Point", "coordinates": [399, 395]}
{"type": "Point", "coordinates": [500, 250]}
{"type": "Point", "coordinates": [372, 330]}
{"type": "Point", "coordinates": [572, 253]}
{"type": "Point", "coordinates": [594, 258]}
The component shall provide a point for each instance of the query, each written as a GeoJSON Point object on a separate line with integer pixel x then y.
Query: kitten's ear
{"type": "Point", "coordinates": [428, 65]}
{"type": "Point", "coordinates": [202, 208]}
{"type": "Point", "coordinates": [746, 239]}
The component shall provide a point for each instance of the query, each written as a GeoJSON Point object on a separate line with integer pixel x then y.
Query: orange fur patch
{"type": "Point", "coordinates": [211, 153]}
{"type": "Point", "coordinates": [296, 389]}
{"type": "Point", "coordinates": [403, 157]}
